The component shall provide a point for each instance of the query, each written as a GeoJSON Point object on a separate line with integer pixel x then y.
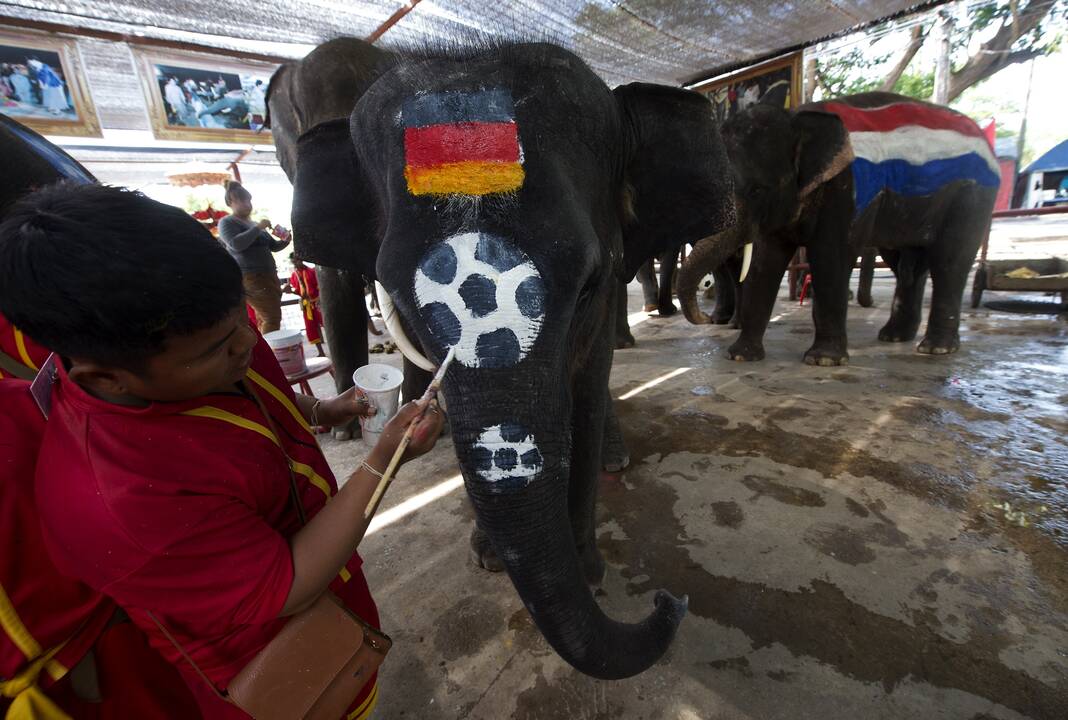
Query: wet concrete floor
{"type": "Point", "coordinates": [883, 540]}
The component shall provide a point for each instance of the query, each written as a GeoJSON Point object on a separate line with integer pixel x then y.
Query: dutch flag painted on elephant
{"type": "Point", "coordinates": [913, 149]}
{"type": "Point", "coordinates": [462, 143]}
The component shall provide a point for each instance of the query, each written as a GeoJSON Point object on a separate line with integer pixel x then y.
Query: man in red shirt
{"type": "Point", "coordinates": [165, 472]}
{"type": "Point", "coordinates": [304, 283]}
{"type": "Point", "coordinates": [63, 646]}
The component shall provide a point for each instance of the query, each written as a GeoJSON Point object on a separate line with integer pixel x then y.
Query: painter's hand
{"type": "Point", "coordinates": [424, 437]}
{"type": "Point", "coordinates": [342, 409]}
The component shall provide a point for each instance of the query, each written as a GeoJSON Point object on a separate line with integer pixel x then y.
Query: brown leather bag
{"type": "Point", "coordinates": [313, 668]}
{"type": "Point", "coordinates": [318, 662]}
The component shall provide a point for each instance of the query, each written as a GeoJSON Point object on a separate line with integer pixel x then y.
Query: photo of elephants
{"type": "Point", "coordinates": [776, 83]}
{"type": "Point", "coordinates": [33, 84]}
{"type": "Point", "coordinates": [199, 98]}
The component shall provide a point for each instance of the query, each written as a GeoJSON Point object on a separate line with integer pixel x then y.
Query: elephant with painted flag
{"type": "Point", "coordinates": [913, 179]}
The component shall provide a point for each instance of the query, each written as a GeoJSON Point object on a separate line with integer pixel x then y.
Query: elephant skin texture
{"type": "Point", "coordinates": [506, 194]}
{"type": "Point", "coordinates": [843, 177]}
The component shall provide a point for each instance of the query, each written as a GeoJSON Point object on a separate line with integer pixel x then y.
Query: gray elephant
{"type": "Point", "coordinates": [504, 193]}
{"type": "Point", "coordinates": [915, 180]}
{"type": "Point", "coordinates": [325, 86]}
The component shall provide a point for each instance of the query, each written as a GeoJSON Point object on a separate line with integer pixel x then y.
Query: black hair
{"type": "Point", "coordinates": [107, 274]}
{"type": "Point", "coordinates": [233, 187]}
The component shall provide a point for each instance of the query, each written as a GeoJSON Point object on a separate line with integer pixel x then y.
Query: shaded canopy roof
{"type": "Point", "coordinates": [666, 41]}
{"type": "Point", "coordinates": [1053, 161]}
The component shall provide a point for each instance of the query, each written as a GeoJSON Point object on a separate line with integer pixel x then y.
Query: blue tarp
{"type": "Point", "coordinates": [1056, 159]}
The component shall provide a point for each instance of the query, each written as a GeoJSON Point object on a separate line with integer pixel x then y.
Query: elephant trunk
{"type": "Point", "coordinates": [517, 476]}
{"type": "Point", "coordinates": [708, 254]}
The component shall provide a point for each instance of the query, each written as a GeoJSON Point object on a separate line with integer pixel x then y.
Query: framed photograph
{"type": "Point", "coordinates": [42, 85]}
{"type": "Point", "coordinates": [198, 98]}
{"type": "Point", "coordinates": [776, 81]}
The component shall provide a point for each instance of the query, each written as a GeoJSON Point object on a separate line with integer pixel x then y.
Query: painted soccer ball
{"type": "Point", "coordinates": [506, 452]}
{"type": "Point", "coordinates": [482, 295]}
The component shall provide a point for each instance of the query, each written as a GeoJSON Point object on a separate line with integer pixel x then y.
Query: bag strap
{"type": "Point", "coordinates": [294, 491]}
{"type": "Point", "coordinates": [223, 696]}
{"type": "Point", "coordinates": [13, 367]}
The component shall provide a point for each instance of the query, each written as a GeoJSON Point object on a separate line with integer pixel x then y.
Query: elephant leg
{"type": "Point", "coordinates": [867, 274]}
{"type": "Point", "coordinates": [831, 267]}
{"type": "Point", "coordinates": [726, 293]}
{"type": "Point", "coordinates": [647, 277]}
{"type": "Point", "coordinates": [951, 259]}
{"type": "Point", "coordinates": [668, 262]}
{"type": "Point", "coordinates": [416, 381]}
{"type": "Point", "coordinates": [759, 291]}
{"type": "Point", "coordinates": [910, 269]}
{"type": "Point", "coordinates": [624, 337]}
{"type": "Point", "coordinates": [345, 325]}
{"type": "Point", "coordinates": [614, 455]}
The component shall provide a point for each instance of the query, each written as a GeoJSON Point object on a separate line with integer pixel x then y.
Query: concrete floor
{"type": "Point", "coordinates": [883, 540]}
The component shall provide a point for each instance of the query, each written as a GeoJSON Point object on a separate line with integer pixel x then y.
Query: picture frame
{"type": "Point", "coordinates": [776, 80]}
{"type": "Point", "coordinates": [43, 86]}
{"type": "Point", "coordinates": [203, 98]}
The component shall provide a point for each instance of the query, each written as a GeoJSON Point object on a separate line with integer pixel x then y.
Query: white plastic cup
{"type": "Point", "coordinates": [381, 384]}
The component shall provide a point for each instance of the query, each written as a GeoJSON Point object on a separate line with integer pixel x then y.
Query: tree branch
{"type": "Point", "coordinates": [919, 34]}
{"type": "Point", "coordinates": [961, 81]}
{"type": "Point", "coordinates": [996, 53]}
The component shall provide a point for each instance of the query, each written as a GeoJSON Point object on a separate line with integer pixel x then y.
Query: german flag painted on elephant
{"type": "Point", "coordinates": [458, 143]}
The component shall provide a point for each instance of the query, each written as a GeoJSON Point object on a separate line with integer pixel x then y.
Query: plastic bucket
{"type": "Point", "coordinates": [381, 384]}
{"type": "Point", "coordinates": [288, 348]}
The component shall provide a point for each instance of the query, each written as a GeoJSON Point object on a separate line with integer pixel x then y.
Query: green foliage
{"type": "Point", "coordinates": [915, 85]}
{"type": "Point", "coordinates": [850, 73]}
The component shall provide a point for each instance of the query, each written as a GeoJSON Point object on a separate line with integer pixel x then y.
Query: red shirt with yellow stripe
{"type": "Point", "coordinates": [183, 509]}
{"type": "Point", "coordinates": [48, 621]}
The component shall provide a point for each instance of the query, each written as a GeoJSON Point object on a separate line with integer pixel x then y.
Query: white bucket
{"type": "Point", "coordinates": [288, 348]}
{"type": "Point", "coordinates": [381, 384]}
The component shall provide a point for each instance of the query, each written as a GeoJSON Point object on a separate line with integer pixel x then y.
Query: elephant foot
{"type": "Point", "coordinates": [826, 356]}
{"type": "Point", "coordinates": [892, 333]}
{"type": "Point", "coordinates": [625, 341]}
{"type": "Point", "coordinates": [864, 299]}
{"type": "Point", "coordinates": [592, 564]}
{"type": "Point", "coordinates": [615, 459]}
{"type": "Point", "coordinates": [938, 346]}
{"type": "Point", "coordinates": [742, 351]}
{"type": "Point", "coordinates": [667, 310]}
{"type": "Point", "coordinates": [482, 553]}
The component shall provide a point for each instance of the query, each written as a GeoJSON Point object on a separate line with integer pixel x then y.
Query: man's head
{"type": "Point", "coordinates": [297, 262]}
{"type": "Point", "coordinates": [140, 299]}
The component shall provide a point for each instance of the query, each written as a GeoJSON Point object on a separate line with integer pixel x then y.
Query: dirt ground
{"type": "Point", "coordinates": [883, 540]}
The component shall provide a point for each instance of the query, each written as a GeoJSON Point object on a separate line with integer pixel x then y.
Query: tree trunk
{"type": "Point", "coordinates": [943, 68]}
{"type": "Point", "coordinates": [810, 79]}
{"type": "Point", "coordinates": [915, 43]}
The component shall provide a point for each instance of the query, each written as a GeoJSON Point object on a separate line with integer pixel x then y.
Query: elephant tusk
{"type": "Point", "coordinates": [393, 324]}
{"type": "Point", "coordinates": [747, 257]}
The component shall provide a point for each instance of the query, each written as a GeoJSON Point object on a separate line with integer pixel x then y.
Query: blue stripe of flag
{"type": "Point", "coordinates": [910, 180]}
{"type": "Point", "coordinates": [446, 108]}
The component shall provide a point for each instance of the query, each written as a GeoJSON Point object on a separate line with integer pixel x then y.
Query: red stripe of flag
{"type": "Point", "coordinates": [461, 142]}
{"type": "Point", "coordinates": [891, 117]}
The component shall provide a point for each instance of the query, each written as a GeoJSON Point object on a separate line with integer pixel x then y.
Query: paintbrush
{"type": "Point", "coordinates": [406, 439]}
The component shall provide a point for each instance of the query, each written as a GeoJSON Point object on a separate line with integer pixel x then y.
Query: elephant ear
{"type": "Point", "coordinates": [678, 186]}
{"type": "Point", "coordinates": [334, 220]}
{"type": "Point", "coordinates": [823, 149]}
